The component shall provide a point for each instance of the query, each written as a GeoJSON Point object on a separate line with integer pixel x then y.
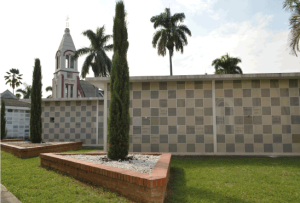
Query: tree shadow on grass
{"type": "Point", "coordinates": [178, 191]}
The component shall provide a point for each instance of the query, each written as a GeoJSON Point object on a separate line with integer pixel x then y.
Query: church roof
{"type": "Point", "coordinates": [12, 100]}
{"type": "Point", "coordinates": [7, 94]}
{"type": "Point", "coordinates": [66, 42]}
{"type": "Point", "coordinates": [90, 90]}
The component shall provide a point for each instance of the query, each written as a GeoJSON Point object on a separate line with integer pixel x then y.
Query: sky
{"type": "Point", "coordinates": [256, 31]}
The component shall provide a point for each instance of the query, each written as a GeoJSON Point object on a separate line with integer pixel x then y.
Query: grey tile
{"type": "Point", "coordinates": [296, 138]}
{"type": "Point", "coordinates": [78, 114]}
{"type": "Point", "coordinates": [57, 103]}
{"type": "Point", "coordinates": [220, 120]}
{"type": "Point", "coordinates": [181, 138]}
{"type": "Point", "coordinates": [57, 114]}
{"type": "Point", "coordinates": [77, 125]}
{"type": "Point", "coordinates": [163, 85]}
{"type": "Point", "coordinates": [238, 120]}
{"type": "Point", "coordinates": [230, 147]}
{"type": "Point", "coordinates": [248, 129]}
{"type": "Point", "coordinates": [287, 148]}
{"type": "Point", "coordinates": [172, 94]}
{"type": "Point", "coordinates": [88, 113]}
{"type": "Point", "coordinates": [154, 120]}
{"type": "Point", "coordinates": [209, 147]}
{"type": "Point", "coordinates": [154, 94]}
{"type": "Point", "coordinates": [77, 136]}
{"type": "Point", "coordinates": [239, 138]}
{"type": "Point", "coordinates": [265, 92]}
{"type": "Point", "coordinates": [172, 147]}
{"type": "Point", "coordinates": [293, 83]}
{"type": "Point", "coordinates": [180, 85]}
{"type": "Point", "coordinates": [266, 110]}
{"type": "Point", "coordinates": [83, 108]}
{"type": "Point", "coordinates": [163, 139]}
{"type": "Point", "coordinates": [190, 111]}
{"type": "Point", "coordinates": [249, 148]}
{"type": "Point", "coordinates": [228, 93]}
{"type": "Point", "coordinates": [163, 120]}
{"type": "Point", "coordinates": [180, 120]}
{"type": "Point", "coordinates": [137, 94]}
{"type": "Point", "coordinates": [219, 84]}
{"type": "Point", "coordinates": [78, 103]}
{"type": "Point", "coordinates": [61, 119]}
{"type": "Point", "coordinates": [145, 85]}
{"type": "Point", "coordinates": [46, 136]}
{"type": "Point", "coordinates": [94, 108]}
{"type": "Point", "coordinates": [277, 138]}
{"type": "Point", "coordinates": [267, 129]}
{"type": "Point", "coordinates": [248, 120]}
{"type": "Point", "coordinates": [137, 112]}
{"type": "Point", "coordinates": [274, 83]}
{"type": "Point", "coordinates": [62, 108]}
{"type": "Point", "coordinates": [88, 103]}
{"type": "Point", "coordinates": [276, 120]}
{"type": "Point", "coordinates": [190, 147]}
{"type": "Point", "coordinates": [101, 102]}
{"type": "Point", "coordinates": [208, 111]}
{"type": "Point", "coordinates": [208, 129]}
{"type": "Point", "coordinates": [72, 130]}
{"type": "Point", "coordinates": [255, 83]}
{"type": "Point", "coordinates": [154, 112]}
{"type": "Point", "coordinates": [295, 119]}
{"type": "Point", "coordinates": [284, 92]}
{"type": "Point", "coordinates": [172, 129]}
{"type": "Point", "coordinates": [154, 130]}
{"type": "Point", "coordinates": [199, 120]}
{"type": "Point", "coordinates": [219, 102]}
{"type": "Point", "coordinates": [237, 84]}
{"type": "Point", "coordinates": [47, 103]}
{"type": "Point", "coordinates": [61, 130]}
{"type": "Point", "coordinates": [198, 102]}
{"type": "Point", "coordinates": [137, 148]}
{"type": "Point", "coordinates": [228, 111]}
{"type": "Point", "coordinates": [294, 101]}
{"type": "Point", "coordinates": [190, 129]}
{"type": "Point", "coordinates": [137, 130]}
{"type": "Point", "coordinates": [199, 138]}
{"type": "Point", "coordinates": [171, 111]}
{"type": "Point", "coordinates": [146, 103]}
{"type": "Point", "coordinates": [238, 102]}
{"type": "Point", "coordinates": [52, 109]}
{"type": "Point", "coordinates": [46, 125]}
{"type": "Point", "coordinates": [258, 138]}
{"type": "Point", "coordinates": [94, 119]}
{"type": "Point", "coordinates": [83, 119]}
{"type": "Point", "coordinates": [229, 129]}
{"type": "Point", "coordinates": [257, 120]}
{"type": "Point", "coordinates": [286, 129]}
{"type": "Point", "coordinates": [73, 108]}
{"type": "Point", "coordinates": [268, 147]}
{"type": "Point", "coordinates": [88, 136]}
{"type": "Point", "coordinates": [189, 93]}
{"type": "Point", "coordinates": [47, 114]}
{"type": "Point", "coordinates": [198, 84]}
{"type": "Point", "coordinates": [207, 93]}
{"type": "Point", "coordinates": [56, 125]}
{"type": "Point", "coordinates": [154, 147]}
{"type": "Point", "coordinates": [163, 103]}
{"type": "Point", "coordinates": [180, 102]}
{"type": "Point", "coordinates": [285, 110]}
{"type": "Point", "coordinates": [256, 101]}
{"type": "Point", "coordinates": [145, 138]}
{"type": "Point", "coordinates": [275, 101]}
{"type": "Point", "coordinates": [246, 92]}
{"type": "Point", "coordinates": [220, 138]}
{"type": "Point", "coordinates": [82, 130]}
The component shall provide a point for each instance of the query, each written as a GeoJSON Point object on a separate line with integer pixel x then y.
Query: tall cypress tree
{"type": "Point", "coordinates": [36, 104]}
{"type": "Point", "coordinates": [3, 120]}
{"type": "Point", "coordinates": [119, 118]}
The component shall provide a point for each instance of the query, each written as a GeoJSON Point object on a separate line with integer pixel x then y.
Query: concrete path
{"type": "Point", "coordinates": [7, 197]}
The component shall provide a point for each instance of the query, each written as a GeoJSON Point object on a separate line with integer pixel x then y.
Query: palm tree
{"type": "Point", "coordinates": [26, 91]}
{"type": "Point", "coordinates": [227, 65]}
{"type": "Point", "coordinates": [97, 58]}
{"type": "Point", "coordinates": [171, 34]}
{"type": "Point", "coordinates": [13, 78]}
{"type": "Point", "coordinates": [294, 7]}
{"type": "Point", "coordinates": [49, 88]}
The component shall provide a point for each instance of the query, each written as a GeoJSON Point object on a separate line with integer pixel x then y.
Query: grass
{"type": "Point", "coordinates": [193, 179]}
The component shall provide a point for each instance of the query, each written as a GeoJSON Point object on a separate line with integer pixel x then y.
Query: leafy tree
{"type": "Point", "coordinates": [36, 104]}
{"type": "Point", "coordinates": [18, 95]}
{"type": "Point", "coordinates": [97, 58]}
{"type": "Point", "coordinates": [26, 91]}
{"type": "Point", "coordinates": [3, 120]}
{"type": "Point", "coordinates": [13, 78]}
{"type": "Point", "coordinates": [227, 65]}
{"type": "Point", "coordinates": [119, 118]}
{"type": "Point", "coordinates": [49, 88]}
{"type": "Point", "coordinates": [294, 37]}
{"type": "Point", "coordinates": [171, 34]}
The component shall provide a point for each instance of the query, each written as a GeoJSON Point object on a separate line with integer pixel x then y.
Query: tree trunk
{"type": "Point", "coordinates": [170, 54]}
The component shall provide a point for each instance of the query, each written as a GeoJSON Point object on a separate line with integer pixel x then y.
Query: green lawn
{"type": "Point", "coordinates": [193, 179]}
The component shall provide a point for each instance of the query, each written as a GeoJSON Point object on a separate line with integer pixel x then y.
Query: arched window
{"type": "Point", "coordinates": [67, 61]}
{"type": "Point", "coordinates": [57, 62]}
{"type": "Point", "coordinates": [72, 62]}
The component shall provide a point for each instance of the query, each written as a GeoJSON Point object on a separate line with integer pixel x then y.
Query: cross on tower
{"type": "Point", "coordinates": [67, 22]}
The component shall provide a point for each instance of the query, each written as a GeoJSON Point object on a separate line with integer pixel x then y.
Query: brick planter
{"type": "Point", "coordinates": [27, 152]}
{"type": "Point", "coordinates": [12, 140]}
{"type": "Point", "coordinates": [133, 185]}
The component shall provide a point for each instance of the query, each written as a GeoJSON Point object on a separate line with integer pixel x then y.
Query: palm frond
{"type": "Point", "coordinates": [92, 37]}
{"type": "Point", "coordinates": [185, 29]}
{"type": "Point", "coordinates": [156, 36]}
{"type": "Point", "coordinates": [86, 65]}
{"type": "Point", "coordinates": [108, 47]}
{"type": "Point", "coordinates": [177, 17]}
{"type": "Point", "coordinates": [82, 51]}
{"type": "Point", "coordinates": [49, 88]}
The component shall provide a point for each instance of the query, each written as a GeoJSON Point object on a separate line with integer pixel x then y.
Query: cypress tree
{"type": "Point", "coordinates": [36, 104]}
{"type": "Point", "coordinates": [3, 120]}
{"type": "Point", "coordinates": [119, 118]}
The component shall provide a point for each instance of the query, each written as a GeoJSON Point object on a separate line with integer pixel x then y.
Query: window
{"type": "Point", "coordinates": [10, 110]}
{"type": "Point", "coordinates": [72, 62]}
{"type": "Point", "coordinates": [67, 61]}
{"type": "Point", "coordinates": [57, 62]}
{"type": "Point", "coordinates": [52, 120]}
{"type": "Point", "coordinates": [66, 91]}
{"type": "Point", "coordinates": [71, 91]}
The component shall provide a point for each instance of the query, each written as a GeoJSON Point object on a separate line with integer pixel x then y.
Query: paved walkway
{"type": "Point", "coordinates": [7, 197]}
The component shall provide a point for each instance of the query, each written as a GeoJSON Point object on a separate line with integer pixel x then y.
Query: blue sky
{"type": "Point", "coordinates": [254, 30]}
